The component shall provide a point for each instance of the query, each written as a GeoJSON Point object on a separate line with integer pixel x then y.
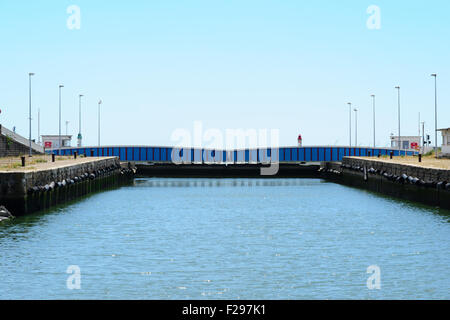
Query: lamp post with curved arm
{"type": "Point", "coordinates": [60, 87]}
{"type": "Point", "coordinates": [435, 114]}
{"type": "Point", "coordinates": [350, 122]}
{"type": "Point", "coordinates": [99, 103]}
{"type": "Point", "coordinates": [29, 115]}
{"type": "Point", "coordinates": [374, 132]}
{"type": "Point", "coordinates": [80, 137]}
{"type": "Point", "coordinates": [399, 138]}
{"type": "Point", "coordinates": [356, 126]}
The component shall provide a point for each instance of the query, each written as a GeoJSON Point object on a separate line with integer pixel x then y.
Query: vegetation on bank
{"type": "Point", "coordinates": [15, 163]}
{"type": "Point", "coordinates": [431, 153]}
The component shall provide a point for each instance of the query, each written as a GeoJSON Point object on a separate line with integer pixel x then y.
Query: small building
{"type": "Point", "coordinates": [52, 141]}
{"type": "Point", "coordinates": [408, 143]}
{"type": "Point", "coordinates": [445, 141]}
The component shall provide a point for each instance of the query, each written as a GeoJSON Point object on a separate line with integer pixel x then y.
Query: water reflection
{"type": "Point", "coordinates": [213, 183]}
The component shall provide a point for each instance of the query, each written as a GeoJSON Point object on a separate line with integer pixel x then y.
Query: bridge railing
{"type": "Point", "coordinates": [245, 156]}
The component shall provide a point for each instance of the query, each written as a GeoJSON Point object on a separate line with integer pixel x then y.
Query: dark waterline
{"type": "Point", "coordinates": [229, 239]}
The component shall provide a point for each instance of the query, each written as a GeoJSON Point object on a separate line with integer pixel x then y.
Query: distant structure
{"type": "Point", "coordinates": [300, 141]}
{"type": "Point", "coordinates": [79, 140]}
{"type": "Point", "coordinates": [445, 142]}
{"type": "Point", "coordinates": [52, 141]}
{"type": "Point", "coordinates": [407, 143]}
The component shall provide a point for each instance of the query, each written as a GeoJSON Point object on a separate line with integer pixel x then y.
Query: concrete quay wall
{"type": "Point", "coordinates": [422, 173]}
{"type": "Point", "coordinates": [423, 185]}
{"type": "Point", "coordinates": [26, 192]}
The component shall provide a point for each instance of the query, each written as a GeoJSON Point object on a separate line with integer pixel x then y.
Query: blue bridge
{"type": "Point", "coordinates": [246, 156]}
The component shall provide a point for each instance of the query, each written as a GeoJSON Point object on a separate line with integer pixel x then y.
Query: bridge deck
{"type": "Point", "coordinates": [247, 156]}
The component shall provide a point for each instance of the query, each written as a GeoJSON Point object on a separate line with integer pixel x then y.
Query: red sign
{"type": "Point", "coordinates": [48, 144]}
{"type": "Point", "coordinates": [414, 145]}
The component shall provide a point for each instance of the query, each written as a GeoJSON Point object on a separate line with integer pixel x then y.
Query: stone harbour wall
{"type": "Point", "coordinates": [421, 173]}
{"type": "Point", "coordinates": [424, 185]}
{"type": "Point", "coordinates": [26, 192]}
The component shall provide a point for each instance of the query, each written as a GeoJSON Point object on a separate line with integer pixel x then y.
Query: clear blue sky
{"type": "Point", "coordinates": [161, 65]}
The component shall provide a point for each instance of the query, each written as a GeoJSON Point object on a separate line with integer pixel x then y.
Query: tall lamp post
{"type": "Point", "coordinates": [39, 126]}
{"type": "Point", "coordinates": [399, 139]}
{"type": "Point", "coordinates": [356, 127]}
{"type": "Point", "coordinates": [435, 114]}
{"type": "Point", "coordinates": [99, 103]}
{"type": "Point", "coordinates": [29, 82]}
{"type": "Point", "coordinates": [60, 87]}
{"type": "Point", "coordinates": [350, 121]}
{"type": "Point", "coordinates": [80, 137]}
{"type": "Point", "coordinates": [423, 137]}
{"type": "Point", "coordinates": [374, 133]}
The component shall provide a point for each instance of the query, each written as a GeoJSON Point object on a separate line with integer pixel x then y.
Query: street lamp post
{"type": "Point", "coordinates": [39, 126]}
{"type": "Point", "coordinates": [99, 103]}
{"type": "Point", "coordinates": [399, 139]}
{"type": "Point", "coordinates": [356, 127]}
{"type": "Point", "coordinates": [80, 137]}
{"type": "Point", "coordinates": [350, 122]}
{"type": "Point", "coordinates": [29, 80]}
{"type": "Point", "coordinates": [435, 114]}
{"type": "Point", "coordinates": [423, 137]}
{"type": "Point", "coordinates": [374, 133]}
{"type": "Point", "coordinates": [60, 87]}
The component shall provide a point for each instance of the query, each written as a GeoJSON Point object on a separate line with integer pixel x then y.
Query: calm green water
{"type": "Point", "coordinates": [228, 239]}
